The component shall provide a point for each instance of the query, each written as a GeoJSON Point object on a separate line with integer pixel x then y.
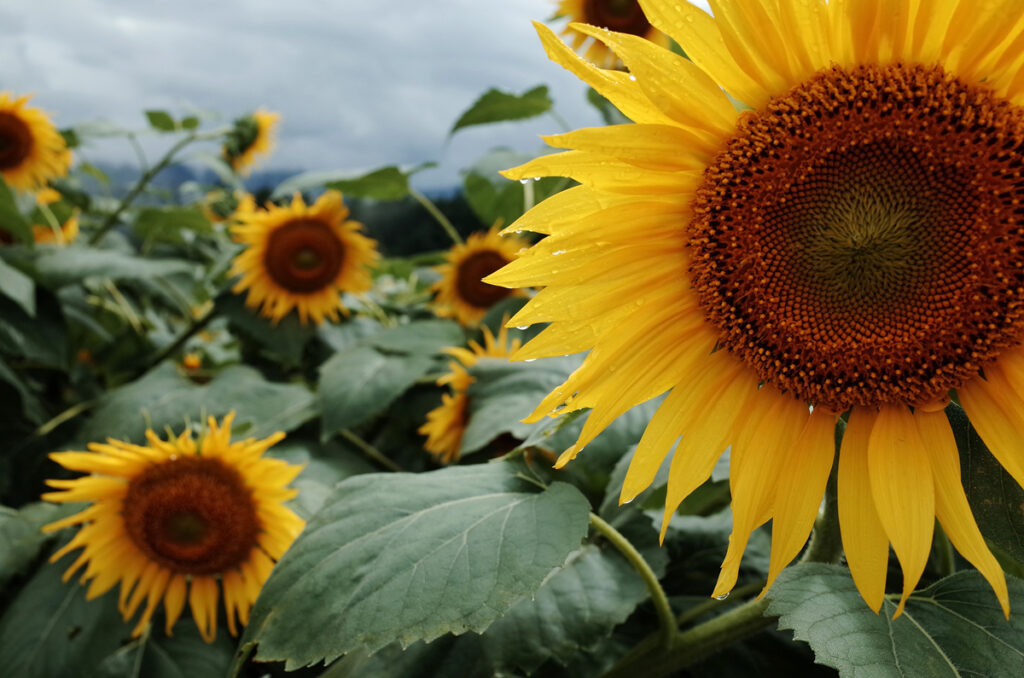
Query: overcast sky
{"type": "Point", "coordinates": [359, 83]}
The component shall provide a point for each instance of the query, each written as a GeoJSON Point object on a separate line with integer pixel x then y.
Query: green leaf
{"type": "Point", "coordinates": [411, 557]}
{"type": "Point", "coordinates": [286, 339]}
{"type": "Point", "coordinates": [183, 655]}
{"type": "Point", "coordinates": [953, 628]}
{"type": "Point", "coordinates": [424, 337]}
{"type": "Point", "coordinates": [189, 122]}
{"type": "Point", "coordinates": [323, 467]}
{"type": "Point", "coordinates": [10, 216]}
{"type": "Point", "coordinates": [361, 382]}
{"type": "Point", "coordinates": [498, 106]}
{"type": "Point", "coordinates": [31, 406]}
{"type": "Point", "coordinates": [504, 392]}
{"type": "Point", "coordinates": [165, 224]}
{"type": "Point", "coordinates": [165, 397]}
{"type": "Point", "coordinates": [995, 497]}
{"type": "Point", "coordinates": [19, 287]}
{"type": "Point", "coordinates": [50, 629]}
{"type": "Point", "coordinates": [68, 265]}
{"type": "Point", "coordinates": [161, 121]}
{"type": "Point", "coordinates": [94, 172]}
{"type": "Point", "coordinates": [386, 183]}
{"type": "Point", "coordinates": [42, 338]}
{"type": "Point", "coordinates": [20, 538]}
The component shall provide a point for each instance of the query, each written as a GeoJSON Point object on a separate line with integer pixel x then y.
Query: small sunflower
{"type": "Point", "coordinates": [850, 243]}
{"type": "Point", "coordinates": [170, 519]}
{"type": "Point", "coordinates": [224, 206]}
{"type": "Point", "coordinates": [32, 151]}
{"type": "Point", "coordinates": [67, 232]}
{"type": "Point", "coordinates": [252, 136]}
{"type": "Point", "coordinates": [447, 422]}
{"type": "Point", "coordinates": [461, 293]}
{"type": "Point", "coordinates": [302, 257]}
{"type": "Point", "coordinates": [625, 16]}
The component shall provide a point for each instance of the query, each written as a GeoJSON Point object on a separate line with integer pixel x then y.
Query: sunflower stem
{"type": "Point", "coordinates": [666, 617]}
{"type": "Point", "coordinates": [945, 562]}
{"type": "Point", "coordinates": [370, 451]}
{"type": "Point", "coordinates": [826, 541]}
{"type": "Point", "coordinates": [194, 327]}
{"type": "Point", "coordinates": [139, 187]}
{"type": "Point", "coordinates": [437, 214]}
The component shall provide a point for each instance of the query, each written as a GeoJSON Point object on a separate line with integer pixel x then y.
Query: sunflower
{"type": "Point", "coordinates": [170, 519]}
{"type": "Point", "coordinates": [850, 244]}
{"type": "Point", "coordinates": [251, 136]}
{"type": "Point", "coordinates": [302, 257]}
{"type": "Point", "coordinates": [67, 231]}
{"type": "Point", "coordinates": [447, 423]}
{"type": "Point", "coordinates": [625, 16]}
{"type": "Point", "coordinates": [460, 292]}
{"type": "Point", "coordinates": [32, 151]}
{"type": "Point", "coordinates": [219, 205]}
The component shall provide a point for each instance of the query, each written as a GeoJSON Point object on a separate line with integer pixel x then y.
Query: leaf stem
{"type": "Point", "coordinates": [369, 450]}
{"type": "Point", "coordinates": [194, 327]}
{"type": "Point", "coordinates": [666, 617]}
{"type": "Point", "coordinates": [437, 214]}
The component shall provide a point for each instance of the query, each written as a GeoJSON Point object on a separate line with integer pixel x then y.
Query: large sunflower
{"type": "Point", "coordinates": [851, 244]}
{"type": "Point", "coordinates": [625, 16]}
{"type": "Point", "coordinates": [31, 150]}
{"type": "Point", "coordinates": [251, 136]}
{"type": "Point", "coordinates": [460, 293]}
{"type": "Point", "coordinates": [447, 422]}
{"type": "Point", "coordinates": [170, 519]}
{"type": "Point", "coordinates": [302, 257]}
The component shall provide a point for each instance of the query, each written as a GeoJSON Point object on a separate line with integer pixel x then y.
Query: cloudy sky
{"type": "Point", "coordinates": [359, 83]}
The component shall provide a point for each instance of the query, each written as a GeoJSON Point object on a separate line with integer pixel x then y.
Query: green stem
{"type": "Point", "coordinates": [196, 325]}
{"type": "Point", "coordinates": [944, 550]}
{"type": "Point", "coordinates": [437, 214]}
{"type": "Point", "coordinates": [666, 618]}
{"type": "Point", "coordinates": [139, 187]}
{"type": "Point", "coordinates": [369, 450]}
{"type": "Point", "coordinates": [64, 416]}
{"type": "Point", "coordinates": [826, 542]}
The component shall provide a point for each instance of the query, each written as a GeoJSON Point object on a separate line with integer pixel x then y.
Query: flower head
{"type": "Point", "coordinates": [447, 423]}
{"type": "Point", "coordinates": [170, 519]}
{"type": "Point", "coordinates": [31, 150]}
{"type": "Point", "coordinates": [624, 16]}
{"type": "Point", "coordinates": [848, 244]}
{"type": "Point", "coordinates": [301, 257]}
{"type": "Point", "coordinates": [461, 294]}
{"type": "Point", "coordinates": [251, 137]}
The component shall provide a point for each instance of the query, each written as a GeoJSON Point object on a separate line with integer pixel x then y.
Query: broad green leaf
{"type": "Point", "coordinates": [190, 122]}
{"type": "Point", "coordinates": [286, 339]}
{"type": "Point", "coordinates": [323, 467]}
{"type": "Point", "coordinates": [41, 339]}
{"type": "Point", "coordinates": [11, 219]}
{"type": "Point", "coordinates": [183, 655]}
{"type": "Point", "coordinates": [50, 629]}
{"type": "Point", "coordinates": [19, 287]}
{"type": "Point", "coordinates": [166, 397]}
{"type": "Point", "coordinates": [954, 628]}
{"type": "Point", "coordinates": [498, 106]}
{"type": "Point", "coordinates": [385, 183]}
{"type": "Point", "coordinates": [346, 335]}
{"type": "Point", "coordinates": [361, 382]}
{"type": "Point", "coordinates": [160, 121]}
{"type": "Point", "coordinates": [68, 265]}
{"type": "Point", "coordinates": [165, 224]}
{"type": "Point", "coordinates": [504, 392]}
{"type": "Point", "coordinates": [995, 497]}
{"type": "Point", "coordinates": [31, 406]}
{"type": "Point", "coordinates": [425, 337]}
{"type": "Point", "coordinates": [20, 538]}
{"type": "Point", "coordinates": [407, 557]}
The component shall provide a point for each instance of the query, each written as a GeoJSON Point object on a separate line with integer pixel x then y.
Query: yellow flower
{"type": "Point", "coordinates": [191, 361]}
{"type": "Point", "coordinates": [625, 16]}
{"type": "Point", "coordinates": [447, 423]}
{"type": "Point", "coordinates": [461, 294]}
{"type": "Point", "coordinates": [170, 519]}
{"type": "Point", "coordinates": [31, 150]}
{"type": "Point", "coordinates": [220, 205]}
{"type": "Point", "coordinates": [67, 232]}
{"type": "Point", "coordinates": [252, 136]}
{"type": "Point", "coordinates": [851, 242]}
{"type": "Point", "coordinates": [302, 257]}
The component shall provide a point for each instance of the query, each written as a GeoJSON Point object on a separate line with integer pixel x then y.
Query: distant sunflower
{"type": "Point", "coordinates": [447, 423]}
{"type": "Point", "coordinates": [31, 150]}
{"type": "Point", "coordinates": [252, 136]}
{"type": "Point", "coordinates": [461, 294]}
{"type": "Point", "coordinates": [625, 16]}
{"type": "Point", "coordinates": [220, 206]}
{"type": "Point", "coordinates": [67, 232]}
{"type": "Point", "coordinates": [302, 258]}
{"type": "Point", "coordinates": [852, 242]}
{"type": "Point", "coordinates": [170, 519]}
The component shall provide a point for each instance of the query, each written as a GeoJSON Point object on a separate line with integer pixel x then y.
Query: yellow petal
{"type": "Point", "coordinates": [995, 412]}
{"type": "Point", "coordinates": [174, 601]}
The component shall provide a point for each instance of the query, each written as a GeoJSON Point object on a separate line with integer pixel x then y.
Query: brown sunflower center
{"type": "Point", "coordinates": [859, 241]}
{"type": "Point", "coordinates": [15, 141]}
{"type": "Point", "coordinates": [624, 16]}
{"type": "Point", "coordinates": [468, 279]}
{"type": "Point", "coordinates": [304, 255]}
{"type": "Point", "coordinates": [192, 515]}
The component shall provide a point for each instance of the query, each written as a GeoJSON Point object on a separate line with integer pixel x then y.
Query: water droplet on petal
{"type": "Point", "coordinates": [723, 596]}
{"type": "Point", "coordinates": [523, 327]}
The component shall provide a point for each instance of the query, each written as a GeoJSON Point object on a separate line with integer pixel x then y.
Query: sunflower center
{"type": "Point", "coordinates": [15, 141]}
{"type": "Point", "coordinates": [468, 279]}
{"type": "Point", "coordinates": [859, 241]}
{"type": "Point", "coordinates": [193, 515]}
{"type": "Point", "coordinates": [304, 255]}
{"type": "Point", "coordinates": [624, 16]}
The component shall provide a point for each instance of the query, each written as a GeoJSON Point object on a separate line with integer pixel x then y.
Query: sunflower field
{"type": "Point", "coordinates": [731, 385]}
